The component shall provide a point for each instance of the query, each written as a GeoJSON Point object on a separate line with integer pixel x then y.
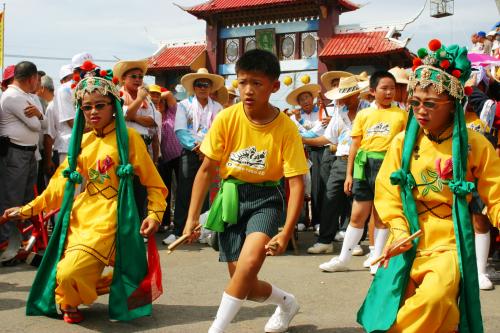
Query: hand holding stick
{"type": "Point", "coordinates": [397, 245]}
{"type": "Point", "coordinates": [171, 248]}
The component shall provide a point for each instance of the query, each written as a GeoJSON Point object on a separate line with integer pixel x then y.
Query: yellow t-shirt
{"type": "Point", "coordinates": [378, 127]}
{"type": "Point", "coordinates": [254, 153]}
{"type": "Point", "coordinates": [475, 123]}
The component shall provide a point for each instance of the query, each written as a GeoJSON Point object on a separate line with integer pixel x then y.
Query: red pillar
{"type": "Point", "coordinates": [328, 20]}
{"type": "Point", "coordinates": [212, 41]}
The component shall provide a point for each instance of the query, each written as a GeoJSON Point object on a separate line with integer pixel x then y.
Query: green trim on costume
{"type": "Point", "coordinates": [360, 160]}
{"type": "Point", "coordinates": [225, 207]}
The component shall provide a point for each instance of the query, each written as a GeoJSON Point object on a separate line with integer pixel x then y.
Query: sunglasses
{"type": "Point", "coordinates": [136, 76]}
{"type": "Point", "coordinates": [429, 105]}
{"type": "Point", "coordinates": [98, 106]}
{"type": "Point", "coordinates": [201, 85]}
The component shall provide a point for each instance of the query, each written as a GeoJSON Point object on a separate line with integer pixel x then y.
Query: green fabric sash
{"type": "Point", "coordinates": [130, 260]}
{"type": "Point", "coordinates": [389, 285]}
{"type": "Point", "coordinates": [360, 160]}
{"type": "Point", "coordinates": [225, 207]}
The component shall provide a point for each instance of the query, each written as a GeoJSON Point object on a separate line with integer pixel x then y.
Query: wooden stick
{"type": "Point", "coordinates": [398, 244]}
{"type": "Point", "coordinates": [15, 213]}
{"type": "Point", "coordinates": [181, 240]}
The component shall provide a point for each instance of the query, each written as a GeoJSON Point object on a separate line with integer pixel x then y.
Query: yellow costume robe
{"type": "Point", "coordinates": [430, 302]}
{"type": "Point", "coordinates": [90, 244]}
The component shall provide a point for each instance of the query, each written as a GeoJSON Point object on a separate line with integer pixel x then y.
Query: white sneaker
{"type": "Point", "coordinates": [280, 320]}
{"type": "Point", "coordinates": [484, 282]}
{"type": "Point", "coordinates": [316, 229]}
{"type": "Point", "coordinates": [339, 236]}
{"type": "Point", "coordinates": [170, 239]}
{"type": "Point", "coordinates": [358, 251]}
{"type": "Point", "coordinates": [319, 248]}
{"type": "Point", "coordinates": [374, 268]}
{"type": "Point", "coordinates": [334, 265]}
{"type": "Point", "coordinates": [301, 227]}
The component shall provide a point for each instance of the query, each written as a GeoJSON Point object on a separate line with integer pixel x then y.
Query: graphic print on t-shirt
{"type": "Point", "coordinates": [248, 157]}
{"type": "Point", "coordinates": [382, 129]}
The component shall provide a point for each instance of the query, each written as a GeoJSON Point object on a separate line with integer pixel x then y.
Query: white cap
{"type": "Point", "coordinates": [491, 33]}
{"type": "Point", "coordinates": [65, 71]}
{"type": "Point", "coordinates": [80, 58]}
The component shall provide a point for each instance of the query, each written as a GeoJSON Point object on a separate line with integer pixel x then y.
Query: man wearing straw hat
{"type": "Point", "coordinates": [401, 95]}
{"type": "Point", "coordinates": [309, 120]}
{"type": "Point", "coordinates": [338, 134]}
{"type": "Point", "coordinates": [194, 117]}
{"type": "Point", "coordinates": [330, 80]}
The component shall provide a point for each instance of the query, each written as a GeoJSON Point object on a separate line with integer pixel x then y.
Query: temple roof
{"type": "Point", "coordinates": [178, 57]}
{"type": "Point", "coordinates": [362, 43]}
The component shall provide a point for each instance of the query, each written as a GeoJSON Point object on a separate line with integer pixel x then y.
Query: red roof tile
{"type": "Point", "coordinates": [176, 57]}
{"type": "Point", "coordinates": [345, 45]}
{"type": "Point", "coordinates": [217, 6]}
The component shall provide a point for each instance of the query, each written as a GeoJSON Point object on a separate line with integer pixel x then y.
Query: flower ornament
{"type": "Point", "coordinates": [446, 172]}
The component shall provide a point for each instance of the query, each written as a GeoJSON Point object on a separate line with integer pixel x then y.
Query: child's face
{"type": "Point", "coordinates": [433, 111]}
{"type": "Point", "coordinates": [384, 92]}
{"type": "Point", "coordinates": [97, 109]}
{"type": "Point", "coordinates": [255, 89]}
{"type": "Point", "coordinates": [306, 101]}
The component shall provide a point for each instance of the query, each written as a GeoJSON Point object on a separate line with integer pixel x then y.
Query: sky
{"type": "Point", "coordinates": [125, 29]}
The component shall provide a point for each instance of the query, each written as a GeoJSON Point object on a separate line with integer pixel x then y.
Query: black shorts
{"type": "Point", "coordinates": [364, 190]}
{"type": "Point", "coordinates": [261, 209]}
{"type": "Point", "coordinates": [476, 205]}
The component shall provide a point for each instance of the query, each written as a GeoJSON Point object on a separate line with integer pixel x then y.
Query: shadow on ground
{"type": "Point", "coordinates": [314, 329]}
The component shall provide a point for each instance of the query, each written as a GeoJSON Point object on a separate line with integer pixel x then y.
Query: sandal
{"type": "Point", "coordinates": [73, 316]}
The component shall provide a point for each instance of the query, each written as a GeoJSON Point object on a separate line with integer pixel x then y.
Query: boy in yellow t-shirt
{"type": "Point", "coordinates": [255, 145]}
{"type": "Point", "coordinates": [372, 132]}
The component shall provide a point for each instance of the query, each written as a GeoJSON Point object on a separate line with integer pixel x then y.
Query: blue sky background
{"type": "Point", "coordinates": [111, 29]}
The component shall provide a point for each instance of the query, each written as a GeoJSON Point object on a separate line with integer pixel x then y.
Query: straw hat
{"type": "Point", "coordinates": [400, 74]}
{"type": "Point", "coordinates": [326, 79]}
{"type": "Point", "coordinates": [232, 91]}
{"type": "Point", "coordinates": [123, 66]}
{"type": "Point", "coordinates": [311, 88]}
{"type": "Point", "coordinates": [202, 73]}
{"type": "Point", "coordinates": [363, 76]}
{"type": "Point", "coordinates": [348, 86]}
{"type": "Point", "coordinates": [221, 95]}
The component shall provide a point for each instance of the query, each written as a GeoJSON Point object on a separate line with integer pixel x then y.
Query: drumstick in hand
{"type": "Point", "coordinates": [398, 244]}
{"type": "Point", "coordinates": [171, 248]}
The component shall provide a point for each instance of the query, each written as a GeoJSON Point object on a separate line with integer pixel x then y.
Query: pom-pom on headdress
{"type": "Point", "coordinates": [95, 79]}
{"type": "Point", "coordinates": [445, 68]}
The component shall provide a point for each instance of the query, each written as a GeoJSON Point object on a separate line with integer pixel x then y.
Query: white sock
{"type": "Point", "coordinates": [279, 297]}
{"type": "Point", "coordinates": [228, 308]}
{"type": "Point", "coordinates": [482, 250]}
{"type": "Point", "coordinates": [380, 240]}
{"type": "Point", "coordinates": [372, 251]}
{"type": "Point", "coordinates": [351, 239]}
{"type": "Point", "coordinates": [375, 233]}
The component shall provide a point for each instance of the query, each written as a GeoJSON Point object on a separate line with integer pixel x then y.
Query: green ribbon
{"type": "Point", "coordinates": [362, 158]}
{"type": "Point", "coordinates": [130, 259]}
{"type": "Point", "coordinates": [389, 285]}
{"type": "Point", "coordinates": [225, 207]}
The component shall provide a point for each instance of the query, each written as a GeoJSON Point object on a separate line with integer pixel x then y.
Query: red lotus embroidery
{"type": "Point", "coordinates": [447, 171]}
{"type": "Point", "coordinates": [105, 165]}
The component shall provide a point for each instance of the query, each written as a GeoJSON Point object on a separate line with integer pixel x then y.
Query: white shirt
{"type": "Point", "coordinates": [64, 106]}
{"type": "Point", "coordinates": [149, 111]}
{"type": "Point", "coordinates": [20, 129]}
{"type": "Point", "coordinates": [53, 125]}
{"type": "Point", "coordinates": [338, 131]}
{"type": "Point", "coordinates": [309, 123]}
{"type": "Point", "coordinates": [195, 118]}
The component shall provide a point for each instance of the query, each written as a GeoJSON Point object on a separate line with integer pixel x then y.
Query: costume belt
{"type": "Point", "coordinates": [225, 206]}
{"type": "Point", "coordinates": [361, 158]}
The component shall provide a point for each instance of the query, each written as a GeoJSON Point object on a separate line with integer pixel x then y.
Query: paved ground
{"type": "Point", "coordinates": [194, 281]}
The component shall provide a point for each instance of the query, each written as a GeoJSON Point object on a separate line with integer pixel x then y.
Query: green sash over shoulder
{"type": "Point", "coordinates": [130, 260]}
{"type": "Point", "coordinates": [360, 161]}
{"type": "Point", "coordinates": [225, 207]}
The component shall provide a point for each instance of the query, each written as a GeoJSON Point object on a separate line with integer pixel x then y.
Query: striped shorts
{"type": "Point", "coordinates": [261, 209]}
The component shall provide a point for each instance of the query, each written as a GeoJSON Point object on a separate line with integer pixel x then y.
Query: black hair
{"type": "Point", "coordinates": [259, 61]}
{"type": "Point", "coordinates": [379, 75]}
{"type": "Point", "coordinates": [24, 70]}
{"type": "Point", "coordinates": [41, 73]}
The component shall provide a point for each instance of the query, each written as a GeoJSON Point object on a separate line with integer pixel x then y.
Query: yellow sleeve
{"type": "Point", "coordinates": [213, 144]}
{"type": "Point", "coordinates": [294, 158]}
{"type": "Point", "coordinates": [485, 165]}
{"type": "Point", "coordinates": [51, 198]}
{"type": "Point", "coordinates": [387, 196]}
{"type": "Point", "coordinates": [357, 125]}
{"type": "Point", "coordinates": [145, 169]}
